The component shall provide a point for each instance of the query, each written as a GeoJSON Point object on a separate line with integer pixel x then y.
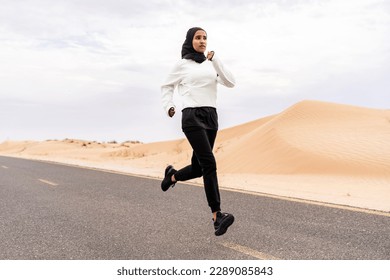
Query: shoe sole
{"type": "Point", "coordinates": [167, 170]}
{"type": "Point", "coordinates": [169, 167]}
{"type": "Point", "coordinates": [225, 225]}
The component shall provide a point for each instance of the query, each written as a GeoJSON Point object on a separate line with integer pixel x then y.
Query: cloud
{"type": "Point", "coordinates": [114, 56]}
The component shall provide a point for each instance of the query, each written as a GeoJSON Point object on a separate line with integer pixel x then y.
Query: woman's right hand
{"type": "Point", "coordinates": [171, 112]}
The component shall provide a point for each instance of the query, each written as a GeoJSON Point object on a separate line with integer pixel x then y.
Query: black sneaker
{"type": "Point", "coordinates": [224, 220]}
{"type": "Point", "coordinates": [167, 182]}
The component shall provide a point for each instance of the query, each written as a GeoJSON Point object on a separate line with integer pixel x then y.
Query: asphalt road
{"type": "Point", "coordinates": [52, 211]}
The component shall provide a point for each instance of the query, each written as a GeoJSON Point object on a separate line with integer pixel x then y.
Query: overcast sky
{"type": "Point", "coordinates": [92, 69]}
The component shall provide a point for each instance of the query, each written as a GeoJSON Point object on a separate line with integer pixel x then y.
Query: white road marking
{"type": "Point", "coordinates": [248, 251]}
{"type": "Point", "coordinates": [5, 167]}
{"type": "Point", "coordinates": [48, 182]}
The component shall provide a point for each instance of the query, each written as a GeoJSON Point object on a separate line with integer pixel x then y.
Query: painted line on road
{"type": "Point", "coordinates": [248, 251]}
{"type": "Point", "coordinates": [48, 182]}
{"type": "Point", "coordinates": [5, 167]}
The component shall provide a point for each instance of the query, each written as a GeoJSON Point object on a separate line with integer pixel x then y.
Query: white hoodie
{"type": "Point", "coordinates": [196, 83]}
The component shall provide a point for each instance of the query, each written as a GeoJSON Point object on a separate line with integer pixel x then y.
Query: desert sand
{"type": "Point", "coordinates": [316, 151]}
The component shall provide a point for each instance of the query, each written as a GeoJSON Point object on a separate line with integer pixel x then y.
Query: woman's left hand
{"type": "Point", "coordinates": [210, 55]}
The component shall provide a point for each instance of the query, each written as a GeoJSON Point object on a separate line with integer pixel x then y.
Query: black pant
{"type": "Point", "coordinates": [203, 164]}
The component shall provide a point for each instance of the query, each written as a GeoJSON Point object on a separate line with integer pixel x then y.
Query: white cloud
{"type": "Point", "coordinates": [66, 54]}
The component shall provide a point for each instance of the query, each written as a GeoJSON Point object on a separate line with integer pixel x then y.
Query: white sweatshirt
{"type": "Point", "coordinates": [196, 83]}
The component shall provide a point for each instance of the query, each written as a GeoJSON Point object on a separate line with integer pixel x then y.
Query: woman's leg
{"type": "Point", "coordinates": [202, 142]}
{"type": "Point", "coordinates": [189, 172]}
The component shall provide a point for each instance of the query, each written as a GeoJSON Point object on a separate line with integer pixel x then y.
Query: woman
{"type": "Point", "coordinates": [196, 77]}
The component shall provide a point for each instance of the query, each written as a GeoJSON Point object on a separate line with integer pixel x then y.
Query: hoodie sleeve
{"type": "Point", "coordinates": [169, 85]}
{"type": "Point", "coordinates": [225, 77]}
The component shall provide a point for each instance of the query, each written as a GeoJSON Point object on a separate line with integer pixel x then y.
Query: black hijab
{"type": "Point", "coordinates": [188, 51]}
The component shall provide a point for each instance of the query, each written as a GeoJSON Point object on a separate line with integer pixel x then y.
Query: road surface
{"type": "Point", "coordinates": [53, 211]}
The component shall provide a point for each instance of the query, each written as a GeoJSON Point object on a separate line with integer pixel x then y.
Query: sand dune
{"type": "Point", "coordinates": [314, 138]}
{"type": "Point", "coordinates": [312, 150]}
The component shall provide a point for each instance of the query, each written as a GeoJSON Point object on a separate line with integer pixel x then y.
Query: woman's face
{"type": "Point", "coordinates": [199, 42]}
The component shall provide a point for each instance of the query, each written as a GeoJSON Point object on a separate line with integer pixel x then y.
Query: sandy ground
{"type": "Point", "coordinates": [313, 150]}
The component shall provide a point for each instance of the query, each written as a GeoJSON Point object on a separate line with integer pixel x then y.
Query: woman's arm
{"type": "Point", "coordinates": [225, 77]}
{"type": "Point", "coordinates": [167, 89]}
